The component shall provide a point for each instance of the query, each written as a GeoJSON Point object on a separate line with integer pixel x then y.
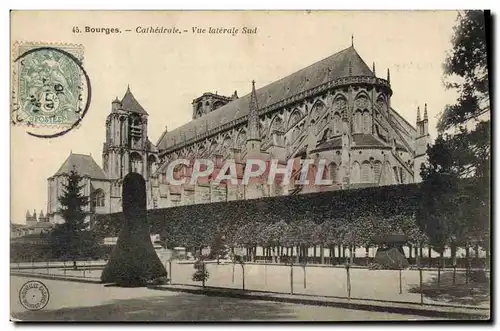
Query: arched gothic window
{"type": "Point", "coordinates": [387, 174]}
{"type": "Point", "coordinates": [294, 119]}
{"type": "Point", "coordinates": [136, 163]}
{"type": "Point", "coordinates": [277, 124]}
{"type": "Point", "coordinates": [241, 140]}
{"type": "Point", "coordinates": [333, 172]}
{"type": "Point", "coordinates": [396, 175]}
{"type": "Point", "coordinates": [336, 124]}
{"type": "Point", "coordinates": [340, 104]}
{"type": "Point", "coordinates": [355, 173]}
{"type": "Point", "coordinates": [151, 165]}
{"type": "Point", "coordinates": [317, 111]}
{"type": "Point", "coordinates": [358, 124]}
{"type": "Point", "coordinates": [381, 103]}
{"type": "Point", "coordinates": [366, 169]}
{"type": "Point", "coordinates": [366, 122]}
{"type": "Point", "coordinates": [98, 199]}
{"type": "Point", "coordinates": [377, 169]}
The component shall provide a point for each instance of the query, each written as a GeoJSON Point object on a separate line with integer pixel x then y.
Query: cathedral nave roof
{"type": "Point", "coordinates": [330, 68]}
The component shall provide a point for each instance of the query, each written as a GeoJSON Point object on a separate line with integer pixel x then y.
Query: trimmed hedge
{"type": "Point", "coordinates": [41, 252]}
{"type": "Point", "coordinates": [196, 225]}
{"type": "Point", "coordinates": [207, 219]}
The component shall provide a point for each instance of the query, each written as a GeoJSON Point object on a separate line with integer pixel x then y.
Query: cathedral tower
{"type": "Point", "coordinates": [209, 102]}
{"type": "Point", "coordinates": [127, 145]}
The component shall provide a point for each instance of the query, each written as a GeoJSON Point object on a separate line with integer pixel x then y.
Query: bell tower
{"type": "Point", "coordinates": [127, 145]}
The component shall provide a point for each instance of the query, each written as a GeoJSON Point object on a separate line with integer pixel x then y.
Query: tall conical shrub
{"type": "Point", "coordinates": [133, 261]}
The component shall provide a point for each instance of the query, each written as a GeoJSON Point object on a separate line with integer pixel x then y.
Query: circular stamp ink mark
{"type": "Point", "coordinates": [51, 90]}
{"type": "Point", "coordinates": [34, 295]}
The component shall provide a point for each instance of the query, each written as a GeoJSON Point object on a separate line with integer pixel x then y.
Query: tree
{"type": "Point", "coordinates": [134, 261]}
{"type": "Point", "coordinates": [218, 247]}
{"type": "Point", "coordinates": [71, 238]}
{"type": "Point", "coordinates": [301, 234]}
{"type": "Point", "coordinates": [466, 67]}
{"type": "Point", "coordinates": [465, 150]}
{"type": "Point", "coordinates": [462, 148]}
{"type": "Point", "coordinates": [271, 236]}
{"type": "Point", "coordinates": [248, 236]}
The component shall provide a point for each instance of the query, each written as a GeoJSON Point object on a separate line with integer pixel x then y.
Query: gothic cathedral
{"type": "Point", "coordinates": [336, 110]}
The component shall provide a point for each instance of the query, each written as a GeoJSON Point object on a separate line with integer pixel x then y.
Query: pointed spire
{"type": "Point", "coordinates": [253, 98]}
{"type": "Point", "coordinates": [235, 95]}
{"type": "Point", "coordinates": [373, 69]}
{"type": "Point", "coordinates": [425, 113]}
{"type": "Point", "coordinates": [41, 213]}
{"type": "Point", "coordinates": [253, 115]}
{"type": "Point", "coordinates": [388, 75]}
{"type": "Point", "coordinates": [418, 114]}
{"type": "Point", "coordinates": [28, 214]}
{"type": "Point", "coordinates": [34, 214]}
{"type": "Point", "coordinates": [352, 40]}
{"type": "Point", "coordinates": [130, 103]}
{"type": "Point", "coordinates": [350, 68]}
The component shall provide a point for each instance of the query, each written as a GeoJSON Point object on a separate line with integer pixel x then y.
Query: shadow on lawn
{"type": "Point", "coordinates": [474, 293]}
{"type": "Point", "coordinates": [181, 307]}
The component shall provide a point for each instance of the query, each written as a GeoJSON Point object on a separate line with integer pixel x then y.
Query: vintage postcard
{"type": "Point", "coordinates": [250, 166]}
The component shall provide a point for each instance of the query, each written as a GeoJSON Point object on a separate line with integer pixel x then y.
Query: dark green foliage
{"type": "Point", "coordinates": [465, 151]}
{"type": "Point", "coordinates": [389, 259]}
{"type": "Point", "coordinates": [218, 247]}
{"type": "Point", "coordinates": [273, 234]}
{"type": "Point", "coordinates": [107, 227]}
{"type": "Point", "coordinates": [41, 250]}
{"type": "Point", "coordinates": [467, 63]}
{"type": "Point", "coordinates": [134, 261]}
{"type": "Point", "coordinates": [72, 239]}
{"type": "Point", "coordinates": [453, 214]}
{"type": "Point", "coordinates": [337, 218]}
{"type": "Point", "coordinates": [448, 214]}
{"type": "Point", "coordinates": [201, 274]}
{"type": "Point", "coordinates": [244, 220]}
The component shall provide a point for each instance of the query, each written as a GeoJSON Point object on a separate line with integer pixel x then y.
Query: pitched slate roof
{"type": "Point", "coordinates": [330, 68]}
{"type": "Point", "coordinates": [85, 165]}
{"type": "Point", "coordinates": [131, 104]}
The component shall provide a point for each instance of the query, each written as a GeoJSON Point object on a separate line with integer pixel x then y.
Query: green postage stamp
{"type": "Point", "coordinates": [49, 86]}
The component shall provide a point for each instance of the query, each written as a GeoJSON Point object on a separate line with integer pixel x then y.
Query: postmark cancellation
{"type": "Point", "coordinates": [34, 295]}
{"type": "Point", "coordinates": [49, 85]}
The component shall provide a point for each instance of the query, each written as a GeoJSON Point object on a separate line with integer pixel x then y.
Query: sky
{"type": "Point", "coordinates": [166, 72]}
